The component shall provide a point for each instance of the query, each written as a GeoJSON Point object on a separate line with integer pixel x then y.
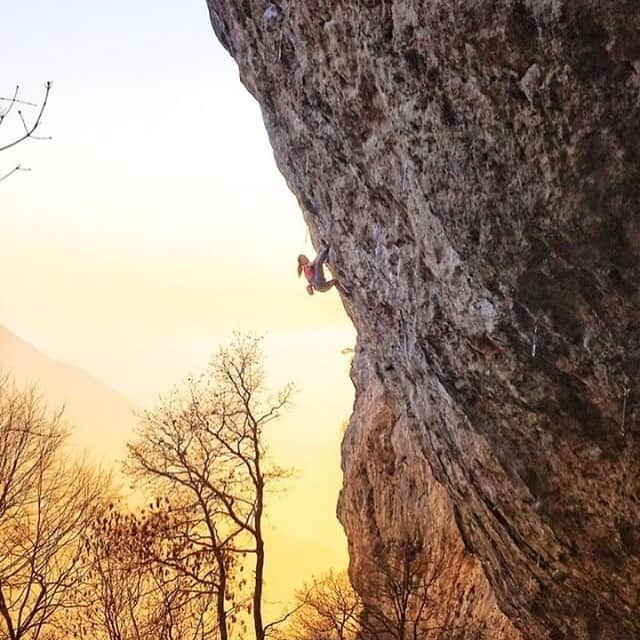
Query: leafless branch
{"type": "Point", "coordinates": [12, 102]}
{"type": "Point", "coordinates": [14, 170]}
{"type": "Point", "coordinates": [29, 130]}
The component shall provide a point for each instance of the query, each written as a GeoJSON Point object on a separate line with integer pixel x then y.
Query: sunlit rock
{"type": "Point", "coordinates": [475, 168]}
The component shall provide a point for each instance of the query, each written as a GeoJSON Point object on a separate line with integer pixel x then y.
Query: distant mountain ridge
{"type": "Point", "coordinates": [101, 418]}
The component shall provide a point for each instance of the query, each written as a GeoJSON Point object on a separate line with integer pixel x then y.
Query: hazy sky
{"type": "Point", "coordinates": [155, 222]}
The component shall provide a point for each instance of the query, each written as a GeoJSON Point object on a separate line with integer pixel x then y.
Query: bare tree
{"type": "Point", "coordinates": [171, 456]}
{"type": "Point", "coordinates": [45, 504]}
{"type": "Point", "coordinates": [207, 442]}
{"type": "Point", "coordinates": [401, 599]}
{"type": "Point", "coordinates": [404, 592]}
{"type": "Point", "coordinates": [133, 590]}
{"type": "Point", "coordinates": [29, 440]}
{"type": "Point", "coordinates": [328, 609]}
{"type": "Point", "coordinates": [15, 105]}
{"type": "Point", "coordinates": [246, 410]}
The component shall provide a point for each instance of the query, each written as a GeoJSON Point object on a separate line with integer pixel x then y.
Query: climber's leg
{"type": "Point", "coordinates": [326, 285]}
{"type": "Point", "coordinates": [319, 281]}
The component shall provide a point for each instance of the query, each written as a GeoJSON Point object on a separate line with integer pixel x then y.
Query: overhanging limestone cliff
{"type": "Point", "coordinates": [475, 167]}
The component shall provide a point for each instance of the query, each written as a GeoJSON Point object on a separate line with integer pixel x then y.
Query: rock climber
{"type": "Point", "coordinates": [314, 272]}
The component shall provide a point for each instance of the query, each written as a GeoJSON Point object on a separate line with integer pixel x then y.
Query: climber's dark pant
{"type": "Point", "coordinates": [319, 282]}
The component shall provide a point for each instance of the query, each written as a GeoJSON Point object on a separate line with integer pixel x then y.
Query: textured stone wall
{"type": "Point", "coordinates": [475, 167]}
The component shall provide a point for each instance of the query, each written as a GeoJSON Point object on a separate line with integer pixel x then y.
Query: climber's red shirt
{"type": "Point", "coordinates": [308, 271]}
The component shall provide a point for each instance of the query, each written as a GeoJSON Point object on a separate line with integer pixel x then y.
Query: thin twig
{"type": "Point", "coordinates": [272, 625]}
{"type": "Point", "coordinates": [36, 124]}
{"type": "Point", "coordinates": [16, 101]}
{"type": "Point", "coordinates": [24, 124]}
{"type": "Point", "coordinates": [14, 170]}
{"type": "Point", "coordinates": [12, 101]}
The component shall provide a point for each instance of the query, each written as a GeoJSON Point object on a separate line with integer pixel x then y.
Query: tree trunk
{"type": "Point", "coordinates": [220, 596]}
{"type": "Point", "coordinates": [259, 577]}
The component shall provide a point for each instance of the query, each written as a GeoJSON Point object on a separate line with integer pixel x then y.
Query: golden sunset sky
{"type": "Point", "coordinates": [155, 223]}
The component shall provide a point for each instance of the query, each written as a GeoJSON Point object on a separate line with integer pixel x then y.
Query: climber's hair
{"type": "Point", "coordinates": [302, 260]}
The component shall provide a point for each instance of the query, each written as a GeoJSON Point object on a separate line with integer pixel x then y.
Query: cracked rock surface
{"type": "Point", "coordinates": [475, 166]}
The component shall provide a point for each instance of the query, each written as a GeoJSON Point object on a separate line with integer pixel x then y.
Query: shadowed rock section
{"type": "Point", "coordinates": [475, 167]}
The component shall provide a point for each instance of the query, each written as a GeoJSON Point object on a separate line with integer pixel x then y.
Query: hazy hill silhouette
{"type": "Point", "coordinates": [102, 419]}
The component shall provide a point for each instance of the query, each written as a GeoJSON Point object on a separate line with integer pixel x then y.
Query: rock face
{"type": "Point", "coordinates": [475, 166]}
